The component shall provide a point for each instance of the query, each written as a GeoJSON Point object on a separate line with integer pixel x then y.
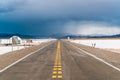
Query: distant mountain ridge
{"type": "Point", "coordinates": [89, 36]}
{"type": "Point", "coordinates": [58, 36]}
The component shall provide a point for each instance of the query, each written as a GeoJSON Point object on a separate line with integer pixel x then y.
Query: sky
{"type": "Point", "coordinates": [47, 17]}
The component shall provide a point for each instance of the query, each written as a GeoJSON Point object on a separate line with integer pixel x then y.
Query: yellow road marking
{"type": "Point", "coordinates": [59, 76]}
{"type": "Point", "coordinates": [54, 72]}
{"type": "Point", "coordinates": [54, 76]}
{"type": "Point", "coordinates": [59, 72]}
{"type": "Point", "coordinates": [57, 68]}
{"type": "Point", "coordinates": [54, 69]}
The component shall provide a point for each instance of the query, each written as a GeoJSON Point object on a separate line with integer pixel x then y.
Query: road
{"type": "Point", "coordinates": [60, 61]}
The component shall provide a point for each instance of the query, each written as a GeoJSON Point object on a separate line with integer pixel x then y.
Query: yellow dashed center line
{"type": "Point", "coordinates": [57, 68]}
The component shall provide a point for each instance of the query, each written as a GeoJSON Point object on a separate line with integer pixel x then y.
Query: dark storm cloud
{"type": "Point", "coordinates": [65, 9]}
{"type": "Point", "coordinates": [53, 16]}
{"type": "Point", "coordinates": [2, 10]}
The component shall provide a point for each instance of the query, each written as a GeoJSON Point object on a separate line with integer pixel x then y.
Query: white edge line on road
{"type": "Point", "coordinates": [116, 68]}
{"type": "Point", "coordinates": [22, 59]}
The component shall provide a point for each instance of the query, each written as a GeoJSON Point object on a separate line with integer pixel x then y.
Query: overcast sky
{"type": "Point", "coordinates": [43, 17]}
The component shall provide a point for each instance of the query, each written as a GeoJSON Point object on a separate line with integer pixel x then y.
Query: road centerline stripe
{"type": "Point", "coordinates": [57, 68]}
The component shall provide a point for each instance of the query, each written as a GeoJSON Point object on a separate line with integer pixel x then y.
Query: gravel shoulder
{"type": "Point", "coordinates": [114, 50]}
{"type": "Point", "coordinates": [11, 57]}
{"type": "Point", "coordinates": [109, 56]}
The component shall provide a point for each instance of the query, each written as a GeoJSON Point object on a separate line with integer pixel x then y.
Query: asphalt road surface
{"type": "Point", "coordinates": [60, 61]}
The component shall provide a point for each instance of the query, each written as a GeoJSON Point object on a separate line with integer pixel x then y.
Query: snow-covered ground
{"type": "Point", "coordinates": [110, 44]}
{"type": "Point", "coordinates": [39, 41]}
{"type": "Point", "coordinates": [34, 41]}
{"type": "Point", "coordinates": [6, 49]}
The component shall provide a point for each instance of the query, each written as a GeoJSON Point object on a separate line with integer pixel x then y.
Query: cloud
{"type": "Point", "coordinates": [92, 28]}
{"type": "Point", "coordinates": [62, 16]}
{"type": "Point", "coordinates": [62, 9]}
{"type": "Point", "coordinates": [10, 5]}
